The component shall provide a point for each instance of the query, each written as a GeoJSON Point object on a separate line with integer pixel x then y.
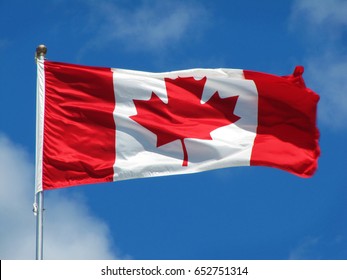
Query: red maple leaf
{"type": "Point", "coordinates": [184, 116]}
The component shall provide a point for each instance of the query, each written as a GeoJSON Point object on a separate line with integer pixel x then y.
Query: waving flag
{"type": "Point", "coordinates": [103, 124]}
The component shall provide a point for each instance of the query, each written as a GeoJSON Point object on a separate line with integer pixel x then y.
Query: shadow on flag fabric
{"type": "Point", "coordinates": [99, 124]}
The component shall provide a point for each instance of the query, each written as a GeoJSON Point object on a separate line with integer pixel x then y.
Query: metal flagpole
{"type": "Point", "coordinates": [39, 226]}
{"type": "Point", "coordinates": [41, 51]}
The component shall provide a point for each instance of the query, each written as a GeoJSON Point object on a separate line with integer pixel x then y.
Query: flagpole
{"type": "Point", "coordinates": [41, 51]}
{"type": "Point", "coordinates": [39, 226]}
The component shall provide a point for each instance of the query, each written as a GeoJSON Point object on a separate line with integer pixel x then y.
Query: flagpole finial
{"type": "Point", "coordinates": [41, 51]}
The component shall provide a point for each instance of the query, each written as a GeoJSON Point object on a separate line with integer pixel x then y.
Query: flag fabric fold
{"type": "Point", "coordinates": [100, 124]}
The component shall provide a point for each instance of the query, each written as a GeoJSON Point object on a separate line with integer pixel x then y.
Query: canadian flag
{"type": "Point", "coordinates": [99, 124]}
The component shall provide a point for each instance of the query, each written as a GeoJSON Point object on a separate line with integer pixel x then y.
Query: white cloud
{"type": "Point", "coordinates": [324, 247]}
{"type": "Point", "coordinates": [305, 250]}
{"type": "Point", "coordinates": [328, 75]}
{"type": "Point", "coordinates": [70, 231]}
{"type": "Point", "coordinates": [151, 25]}
{"type": "Point", "coordinates": [328, 12]}
{"type": "Point", "coordinates": [324, 25]}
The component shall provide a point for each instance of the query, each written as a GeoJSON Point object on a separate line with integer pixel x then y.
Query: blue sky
{"type": "Point", "coordinates": [235, 213]}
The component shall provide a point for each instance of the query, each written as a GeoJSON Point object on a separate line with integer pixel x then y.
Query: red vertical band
{"type": "Point", "coordinates": [287, 137]}
{"type": "Point", "coordinates": [79, 128]}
